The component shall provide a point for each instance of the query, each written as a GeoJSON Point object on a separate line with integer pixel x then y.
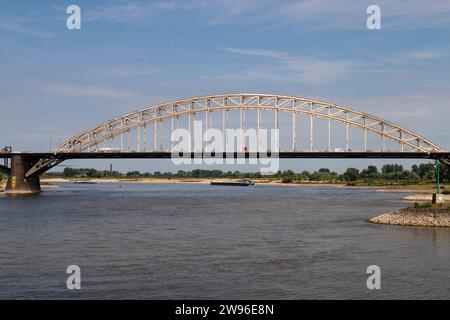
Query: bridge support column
{"type": "Point", "coordinates": [17, 182]}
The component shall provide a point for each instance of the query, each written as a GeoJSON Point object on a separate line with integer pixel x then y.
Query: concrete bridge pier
{"type": "Point", "coordinates": [17, 182]}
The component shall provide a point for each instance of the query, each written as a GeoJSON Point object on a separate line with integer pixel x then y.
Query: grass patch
{"type": "Point", "coordinates": [429, 205]}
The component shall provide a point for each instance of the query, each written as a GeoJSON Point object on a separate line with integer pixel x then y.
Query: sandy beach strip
{"type": "Point", "coordinates": [205, 181]}
{"type": "Point", "coordinates": [423, 197]}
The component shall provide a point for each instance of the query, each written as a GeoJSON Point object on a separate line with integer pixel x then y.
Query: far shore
{"type": "Point", "coordinates": [200, 181]}
{"type": "Point", "coordinates": [428, 189]}
{"type": "Point", "coordinates": [407, 188]}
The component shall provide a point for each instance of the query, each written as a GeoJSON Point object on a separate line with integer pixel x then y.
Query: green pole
{"type": "Point", "coordinates": [438, 169]}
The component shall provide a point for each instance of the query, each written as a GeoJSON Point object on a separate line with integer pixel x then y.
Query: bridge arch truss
{"type": "Point", "coordinates": [148, 119]}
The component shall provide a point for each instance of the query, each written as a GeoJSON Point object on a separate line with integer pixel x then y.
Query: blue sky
{"type": "Point", "coordinates": [55, 82]}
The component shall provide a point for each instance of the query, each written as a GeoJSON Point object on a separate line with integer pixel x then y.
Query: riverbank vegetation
{"type": "Point", "coordinates": [429, 205]}
{"type": "Point", "coordinates": [390, 174]}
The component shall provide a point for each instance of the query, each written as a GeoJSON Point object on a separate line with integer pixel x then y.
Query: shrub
{"type": "Point", "coordinates": [424, 205]}
{"type": "Point", "coordinates": [287, 179]}
{"type": "Point", "coordinates": [352, 174]}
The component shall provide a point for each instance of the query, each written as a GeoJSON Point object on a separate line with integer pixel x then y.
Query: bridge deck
{"type": "Point", "coordinates": [281, 155]}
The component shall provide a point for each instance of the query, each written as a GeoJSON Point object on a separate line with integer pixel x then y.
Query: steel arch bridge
{"type": "Point", "coordinates": [149, 122]}
{"type": "Point", "coordinates": [140, 120]}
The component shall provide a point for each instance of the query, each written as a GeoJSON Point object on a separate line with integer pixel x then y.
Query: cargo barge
{"type": "Point", "coordinates": [240, 183]}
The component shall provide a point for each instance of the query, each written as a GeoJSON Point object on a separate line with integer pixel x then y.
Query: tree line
{"type": "Point", "coordinates": [388, 172]}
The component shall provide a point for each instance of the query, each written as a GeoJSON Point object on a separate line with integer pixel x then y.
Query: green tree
{"type": "Point", "coordinates": [371, 172]}
{"type": "Point", "coordinates": [352, 174]}
{"type": "Point", "coordinates": [133, 174]}
{"type": "Point", "coordinates": [415, 169]}
{"type": "Point", "coordinates": [288, 176]}
{"type": "Point", "coordinates": [392, 169]}
{"type": "Point", "coordinates": [424, 170]}
{"type": "Point", "coordinates": [323, 175]}
{"type": "Point", "coordinates": [407, 175]}
{"type": "Point", "coordinates": [445, 172]}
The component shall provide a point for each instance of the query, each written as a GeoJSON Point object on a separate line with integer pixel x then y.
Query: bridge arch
{"type": "Point", "coordinates": [140, 120]}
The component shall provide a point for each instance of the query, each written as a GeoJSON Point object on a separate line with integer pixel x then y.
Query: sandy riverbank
{"type": "Point", "coordinates": [207, 181]}
{"type": "Point", "coordinates": [48, 182]}
{"type": "Point", "coordinates": [419, 189]}
{"type": "Point", "coordinates": [139, 180]}
{"type": "Point", "coordinates": [272, 182]}
{"type": "Point", "coordinates": [424, 217]}
{"type": "Point", "coordinates": [424, 197]}
{"type": "Point", "coordinates": [416, 192]}
{"type": "Point", "coordinates": [379, 188]}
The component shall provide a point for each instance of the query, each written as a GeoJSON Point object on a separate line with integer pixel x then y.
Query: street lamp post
{"type": "Point", "coordinates": [438, 198]}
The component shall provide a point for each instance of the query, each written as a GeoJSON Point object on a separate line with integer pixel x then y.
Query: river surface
{"type": "Point", "coordinates": [193, 241]}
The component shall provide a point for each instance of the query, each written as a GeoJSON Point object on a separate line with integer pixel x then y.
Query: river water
{"type": "Point", "coordinates": [192, 241]}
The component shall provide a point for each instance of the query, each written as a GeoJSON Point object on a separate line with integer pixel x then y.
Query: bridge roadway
{"type": "Point", "coordinates": [282, 155]}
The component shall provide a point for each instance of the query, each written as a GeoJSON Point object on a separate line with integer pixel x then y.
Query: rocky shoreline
{"type": "Point", "coordinates": [424, 217]}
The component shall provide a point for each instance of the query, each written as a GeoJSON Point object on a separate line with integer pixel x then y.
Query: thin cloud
{"type": "Point", "coordinates": [310, 14]}
{"type": "Point", "coordinates": [323, 14]}
{"type": "Point", "coordinates": [257, 52]}
{"type": "Point", "coordinates": [416, 13]}
{"type": "Point", "coordinates": [426, 54]}
{"type": "Point", "coordinates": [407, 107]}
{"type": "Point", "coordinates": [18, 27]}
{"type": "Point", "coordinates": [124, 71]}
{"type": "Point", "coordinates": [304, 69]}
{"type": "Point", "coordinates": [66, 89]}
{"type": "Point", "coordinates": [219, 12]}
{"type": "Point", "coordinates": [215, 11]}
{"type": "Point", "coordinates": [128, 12]}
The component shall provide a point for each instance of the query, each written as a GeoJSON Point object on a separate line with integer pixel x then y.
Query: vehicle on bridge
{"type": "Point", "coordinates": [108, 149]}
{"type": "Point", "coordinates": [6, 150]}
